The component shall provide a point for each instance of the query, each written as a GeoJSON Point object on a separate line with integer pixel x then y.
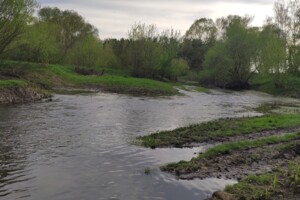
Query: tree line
{"type": "Point", "coordinates": [227, 52]}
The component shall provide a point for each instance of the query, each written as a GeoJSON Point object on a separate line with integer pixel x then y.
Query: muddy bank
{"type": "Point", "coordinates": [250, 136]}
{"type": "Point", "coordinates": [239, 164]}
{"type": "Point", "coordinates": [281, 183]}
{"type": "Point", "coordinates": [256, 135]}
{"type": "Point", "coordinates": [21, 95]}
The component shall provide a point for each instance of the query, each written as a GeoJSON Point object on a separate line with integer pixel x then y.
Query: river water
{"type": "Point", "coordinates": [80, 146]}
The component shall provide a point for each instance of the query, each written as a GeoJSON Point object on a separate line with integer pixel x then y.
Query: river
{"type": "Point", "coordinates": [80, 146]}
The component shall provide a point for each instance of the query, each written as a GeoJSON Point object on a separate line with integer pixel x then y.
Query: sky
{"type": "Point", "coordinates": [114, 18]}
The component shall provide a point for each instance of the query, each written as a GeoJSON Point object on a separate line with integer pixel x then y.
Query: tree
{"type": "Point", "coordinates": [193, 51]}
{"type": "Point", "coordinates": [273, 54]}
{"type": "Point", "coordinates": [231, 60]}
{"type": "Point", "coordinates": [71, 27]}
{"type": "Point", "coordinates": [86, 52]}
{"type": "Point", "coordinates": [202, 29]}
{"type": "Point", "coordinates": [119, 48]}
{"type": "Point", "coordinates": [141, 31]}
{"type": "Point", "coordinates": [198, 39]}
{"type": "Point", "coordinates": [294, 32]}
{"type": "Point", "coordinates": [216, 66]}
{"type": "Point", "coordinates": [287, 18]}
{"type": "Point", "coordinates": [143, 57]}
{"type": "Point", "coordinates": [169, 44]}
{"type": "Point", "coordinates": [14, 16]}
{"type": "Point", "coordinates": [144, 51]}
{"type": "Point", "coordinates": [178, 67]}
{"type": "Point", "coordinates": [109, 58]}
{"type": "Point", "coordinates": [224, 23]}
{"type": "Point", "coordinates": [37, 44]}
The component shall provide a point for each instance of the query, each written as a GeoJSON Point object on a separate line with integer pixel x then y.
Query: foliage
{"type": "Point", "coordinates": [224, 53]}
{"type": "Point", "coordinates": [86, 52]}
{"type": "Point", "coordinates": [170, 45]}
{"type": "Point", "coordinates": [144, 58]}
{"type": "Point", "coordinates": [287, 18]}
{"type": "Point", "coordinates": [37, 44]}
{"type": "Point", "coordinates": [194, 52]}
{"type": "Point", "coordinates": [71, 26]}
{"type": "Point", "coordinates": [198, 39]}
{"type": "Point", "coordinates": [14, 16]}
{"type": "Point", "coordinates": [178, 67]}
{"type": "Point", "coordinates": [273, 55]}
{"type": "Point", "coordinates": [233, 57]}
{"type": "Point", "coordinates": [202, 29]}
{"type": "Point", "coordinates": [150, 53]}
{"type": "Point", "coordinates": [265, 83]}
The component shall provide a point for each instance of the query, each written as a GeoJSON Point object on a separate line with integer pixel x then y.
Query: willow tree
{"type": "Point", "coordinates": [71, 27]}
{"type": "Point", "coordinates": [230, 61]}
{"type": "Point", "coordinates": [14, 16]}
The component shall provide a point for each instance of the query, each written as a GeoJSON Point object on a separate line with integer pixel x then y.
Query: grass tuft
{"type": "Point", "coordinates": [219, 129]}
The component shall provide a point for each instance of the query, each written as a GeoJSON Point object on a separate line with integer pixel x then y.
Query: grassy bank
{"type": "Point", "coordinates": [218, 130]}
{"type": "Point", "coordinates": [266, 84]}
{"type": "Point", "coordinates": [19, 91]}
{"type": "Point", "coordinates": [58, 76]}
{"type": "Point", "coordinates": [114, 83]}
{"type": "Point", "coordinates": [265, 164]}
{"type": "Point", "coordinates": [228, 148]}
{"type": "Point", "coordinates": [8, 84]}
{"type": "Point", "coordinates": [283, 183]}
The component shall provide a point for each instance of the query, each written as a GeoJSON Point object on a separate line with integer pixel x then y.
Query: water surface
{"type": "Point", "coordinates": [79, 146]}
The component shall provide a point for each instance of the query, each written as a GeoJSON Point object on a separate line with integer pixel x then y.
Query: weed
{"type": "Point", "coordinates": [147, 170]}
{"type": "Point", "coordinates": [274, 182]}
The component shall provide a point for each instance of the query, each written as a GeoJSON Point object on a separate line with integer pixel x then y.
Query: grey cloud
{"type": "Point", "coordinates": [113, 18]}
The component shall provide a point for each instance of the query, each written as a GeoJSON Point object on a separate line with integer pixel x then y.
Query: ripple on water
{"type": "Point", "coordinates": [79, 147]}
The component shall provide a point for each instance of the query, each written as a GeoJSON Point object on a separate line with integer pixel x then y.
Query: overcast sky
{"type": "Point", "coordinates": [113, 18]}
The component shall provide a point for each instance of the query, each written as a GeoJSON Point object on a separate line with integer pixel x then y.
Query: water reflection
{"type": "Point", "coordinates": [78, 147]}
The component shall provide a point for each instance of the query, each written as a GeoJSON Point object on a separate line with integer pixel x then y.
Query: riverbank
{"type": "Point", "coordinates": [266, 84]}
{"type": "Point", "coordinates": [222, 130]}
{"type": "Point", "coordinates": [236, 160]}
{"type": "Point", "coordinates": [16, 91]}
{"type": "Point", "coordinates": [245, 149]}
{"type": "Point", "coordinates": [15, 76]}
{"type": "Point", "coordinates": [281, 183]}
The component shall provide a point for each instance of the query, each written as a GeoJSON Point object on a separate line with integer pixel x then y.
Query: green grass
{"type": "Point", "coordinates": [54, 76]}
{"type": "Point", "coordinates": [201, 89]}
{"type": "Point", "coordinates": [215, 130]}
{"type": "Point", "coordinates": [116, 72]}
{"type": "Point", "coordinates": [252, 187]}
{"type": "Point", "coordinates": [110, 80]}
{"type": "Point", "coordinates": [227, 148]}
{"type": "Point", "coordinates": [266, 84]}
{"type": "Point", "coordinates": [278, 107]}
{"type": "Point", "coordinates": [283, 183]}
{"type": "Point", "coordinates": [8, 84]}
{"type": "Point", "coordinates": [230, 147]}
